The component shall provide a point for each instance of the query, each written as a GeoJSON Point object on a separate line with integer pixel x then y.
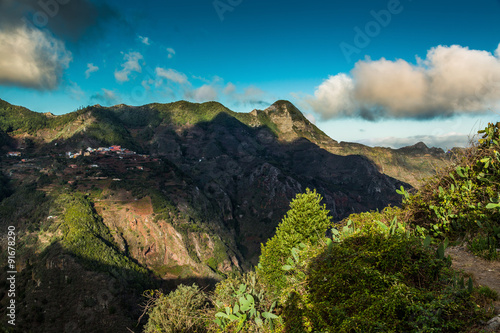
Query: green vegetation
{"type": "Point", "coordinates": [305, 222]}
{"type": "Point", "coordinates": [138, 117]}
{"type": "Point", "coordinates": [109, 129]}
{"type": "Point", "coordinates": [5, 189]}
{"type": "Point", "coordinates": [373, 282]}
{"type": "Point", "coordinates": [242, 305]}
{"type": "Point", "coordinates": [176, 312]}
{"type": "Point", "coordinates": [16, 118]}
{"type": "Point", "coordinates": [461, 201]}
{"type": "Point", "coordinates": [380, 271]}
{"type": "Point", "coordinates": [88, 238]}
{"type": "Point", "coordinates": [182, 112]}
{"type": "Point", "coordinates": [264, 120]}
{"type": "Point", "coordinates": [26, 206]}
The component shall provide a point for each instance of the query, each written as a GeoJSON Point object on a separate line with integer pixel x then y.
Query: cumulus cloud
{"type": "Point", "coordinates": [171, 52]}
{"type": "Point", "coordinates": [204, 93]}
{"type": "Point", "coordinates": [90, 69]}
{"type": "Point", "coordinates": [171, 75]}
{"type": "Point", "coordinates": [446, 141]}
{"type": "Point", "coordinates": [229, 88]}
{"type": "Point", "coordinates": [450, 80]}
{"type": "Point", "coordinates": [32, 35]}
{"type": "Point", "coordinates": [106, 97]}
{"type": "Point", "coordinates": [31, 58]}
{"type": "Point", "coordinates": [131, 65]}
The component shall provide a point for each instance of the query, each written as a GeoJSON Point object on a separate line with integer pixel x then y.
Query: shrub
{"type": "Point", "coordinates": [461, 200]}
{"type": "Point", "coordinates": [178, 312]}
{"type": "Point", "coordinates": [375, 283]}
{"type": "Point", "coordinates": [305, 222]}
{"type": "Point", "coordinates": [244, 304]}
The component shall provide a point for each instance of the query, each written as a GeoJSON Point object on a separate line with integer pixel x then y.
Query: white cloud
{"type": "Point", "coordinates": [131, 65]}
{"type": "Point", "coordinates": [171, 52]}
{"type": "Point", "coordinates": [334, 97]}
{"type": "Point", "coordinates": [229, 88]}
{"type": "Point", "coordinates": [203, 94]}
{"type": "Point", "coordinates": [32, 58]}
{"type": "Point", "coordinates": [90, 69]}
{"type": "Point", "coordinates": [451, 80]}
{"type": "Point", "coordinates": [171, 75]}
{"type": "Point", "coordinates": [145, 40]}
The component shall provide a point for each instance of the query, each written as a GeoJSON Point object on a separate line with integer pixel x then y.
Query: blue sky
{"type": "Point", "coordinates": [388, 72]}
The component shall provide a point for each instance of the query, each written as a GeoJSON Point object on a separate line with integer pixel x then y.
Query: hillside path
{"type": "Point", "coordinates": [484, 272]}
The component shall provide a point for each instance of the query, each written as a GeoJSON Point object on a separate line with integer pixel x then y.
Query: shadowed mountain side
{"type": "Point", "coordinates": [130, 126]}
{"type": "Point", "coordinates": [57, 293]}
{"type": "Point", "coordinates": [252, 176]}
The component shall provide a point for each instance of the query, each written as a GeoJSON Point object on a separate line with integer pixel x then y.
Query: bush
{"type": "Point", "coordinates": [462, 200]}
{"type": "Point", "coordinates": [375, 283]}
{"type": "Point", "coordinates": [244, 304]}
{"type": "Point", "coordinates": [178, 312]}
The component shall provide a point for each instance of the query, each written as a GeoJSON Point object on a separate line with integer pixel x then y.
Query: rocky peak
{"type": "Point", "coordinates": [421, 148]}
{"type": "Point", "coordinates": [285, 108]}
{"type": "Point", "coordinates": [291, 123]}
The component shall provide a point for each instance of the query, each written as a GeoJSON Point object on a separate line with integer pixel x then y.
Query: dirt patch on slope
{"type": "Point", "coordinates": [484, 272]}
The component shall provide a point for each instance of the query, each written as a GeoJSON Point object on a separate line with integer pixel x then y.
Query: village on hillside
{"type": "Point", "coordinates": [102, 151]}
{"type": "Point", "coordinates": [91, 164]}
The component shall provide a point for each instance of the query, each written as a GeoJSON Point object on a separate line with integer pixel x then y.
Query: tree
{"type": "Point", "coordinates": [305, 222]}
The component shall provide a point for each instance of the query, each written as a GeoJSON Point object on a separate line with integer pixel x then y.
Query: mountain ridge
{"type": "Point", "coordinates": [190, 195]}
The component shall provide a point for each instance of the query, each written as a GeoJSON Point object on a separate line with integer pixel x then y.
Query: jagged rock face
{"type": "Point", "coordinates": [292, 124]}
{"type": "Point", "coordinates": [251, 176]}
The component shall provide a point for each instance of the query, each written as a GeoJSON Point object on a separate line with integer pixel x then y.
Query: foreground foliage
{"type": "Point", "coordinates": [463, 200]}
{"type": "Point", "coordinates": [305, 222]}
{"type": "Point", "coordinates": [379, 283]}
{"type": "Point", "coordinates": [175, 312]}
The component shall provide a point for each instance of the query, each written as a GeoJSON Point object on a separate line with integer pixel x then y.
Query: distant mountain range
{"type": "Point", "coordinates": [191, 193]}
